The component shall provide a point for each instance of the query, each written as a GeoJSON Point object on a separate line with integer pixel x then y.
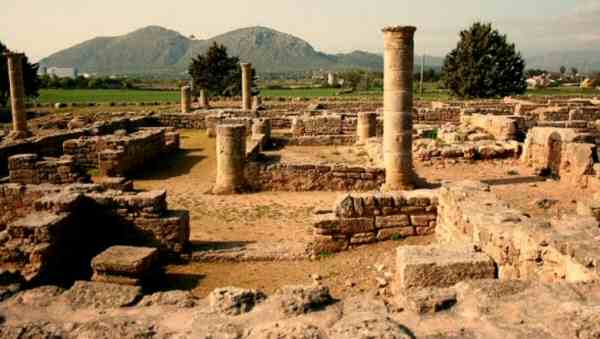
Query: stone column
{"type": "Point", "coordinates": [397, 107]}
{"type": "Point", "coordinates": [203, 100]}
{"type": "Point", "coordinates": [246, 86]}
{"type": "Point", "coordinates": [186, 99]}
{"type": "Point", "coordinates": [261, 126]}
{"type": "Point", "coordinates": [366, 126]}
{"type": "Point", "coordinates": [17, 95]}
{"type": "Point", "coordinates": [256, 103]}
{"type": "Point", "coordinates": [231, 158]}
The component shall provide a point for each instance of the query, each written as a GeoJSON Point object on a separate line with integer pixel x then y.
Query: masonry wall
{"type": "Point", "coordinates": [522, 247]}
{"type": "Point", "coordinates": [118, 155]}
{"type": "Point", "coordinates": [283, 177]}
{"type": "Point", "coordinates": [44, 241]}
{"type": "Point", "coordinates": [358, 219]}
{"type": "Point", "coordinates": [30, 169]}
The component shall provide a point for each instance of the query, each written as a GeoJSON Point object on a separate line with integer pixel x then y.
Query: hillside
{"type": "Point", "coordinates": [156, 50]}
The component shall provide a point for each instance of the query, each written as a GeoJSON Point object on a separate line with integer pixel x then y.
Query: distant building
{"type": "Point", "coordinates": [60, 72]}
{"type": "Point", "coordinates": [331, 79]}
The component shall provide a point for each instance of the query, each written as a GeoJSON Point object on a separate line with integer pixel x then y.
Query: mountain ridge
{"type": "Point", "coordinates": [156, 50]}
{"type": "Point", "coordinates": [159, 50]}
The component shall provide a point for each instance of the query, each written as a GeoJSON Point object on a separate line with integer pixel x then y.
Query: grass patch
{"type": "Point", "coordinates": [105, 95]}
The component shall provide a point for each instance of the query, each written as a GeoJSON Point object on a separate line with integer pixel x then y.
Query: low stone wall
{"type": "Point", "coordinates": [522, 247]}
{"type": "Point", "coordinates": [329, 124]}
{"type": "Point", "coordinates": [322, 140]}
{"type": "Point", "coordinates": [44, 239]}
{"type": "Point", "coordinates": [52, 145]}
{"type": "Point", "coordinates": [30, 169]}
{"type": "Point", "coordinates": [502, 128]}
{"type": "Point", "coordinates": [358, 219]}
{"type": "Point", "coordinates": [567, 153]}
{"type": "Point", "coordinates": [119, 154]}
{"type": "Point", "coordinates": [182, 120]}
{"type": "Point", "coordinates": [284, 177]}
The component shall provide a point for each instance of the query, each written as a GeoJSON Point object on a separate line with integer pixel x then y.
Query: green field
{"type": "Point", "coordinates": [102, 96]}
{"type": "Point", "coordinates": [105, 95]}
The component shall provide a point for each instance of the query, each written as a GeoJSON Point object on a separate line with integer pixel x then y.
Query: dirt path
{"type": "Point", "coordinates": [270, 222]}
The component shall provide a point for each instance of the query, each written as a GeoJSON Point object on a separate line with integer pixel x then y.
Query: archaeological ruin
{"type": "Point", "coordinates": [342, 217]}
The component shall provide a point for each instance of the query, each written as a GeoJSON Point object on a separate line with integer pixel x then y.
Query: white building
{"type": "Point", "coordinates": [60, 72]}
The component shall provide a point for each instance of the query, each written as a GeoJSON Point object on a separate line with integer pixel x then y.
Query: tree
{"type": "Point", "coordinates": [574, 71]}
{"type": "Point", "coordinates": [563, 70]}
{"type": "Point", "coordinates": [218, 73]}
{"type": "Point", "coordinates": [484, 65]}
{"type": "Point", "coordinates": [30, 78]}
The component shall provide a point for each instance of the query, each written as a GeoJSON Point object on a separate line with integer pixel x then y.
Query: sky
{"type": "Point", "coordinates": [42, 27]}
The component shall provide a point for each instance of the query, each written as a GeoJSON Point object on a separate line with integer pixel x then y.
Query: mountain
{"type": "Point", "coordinates": [584, 60]}
{"type": "Point", "coordinates": [157, 50]}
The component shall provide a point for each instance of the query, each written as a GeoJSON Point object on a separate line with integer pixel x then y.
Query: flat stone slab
{"type": "Point", "coordinates": [420, 267]}
{"type": "Point", "coordinates": [125, 260]}
{"type": "Point", "coordinates": [86, 294]}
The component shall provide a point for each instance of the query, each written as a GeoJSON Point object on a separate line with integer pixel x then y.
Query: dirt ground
{"type": "Point", "coordinates": [268, 219]}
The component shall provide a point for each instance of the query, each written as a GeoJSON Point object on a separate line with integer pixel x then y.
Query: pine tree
{"type": "Point", "coordinates": [484, 65]}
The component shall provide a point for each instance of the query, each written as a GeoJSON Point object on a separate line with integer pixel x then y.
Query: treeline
{"type": "Point", "coordinates": [85, 83]}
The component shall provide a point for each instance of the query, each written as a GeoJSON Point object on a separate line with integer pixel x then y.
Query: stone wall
{"type": "Point", "coordinates": [322, 140]}
{"type": "Point", "coordinates": [522, 247]}
{"type": "Point", "coordinates": [502, 128]}
{"type": "Point", "coordinates": [264, 176]}
{"type": "Point", "coordinates": [358, 219]}
{"type": "Point", "coordinates": [30, 169]}
{"type": "Point", "coordinates": [329, 124]}
{"type": "Point", "coordinates": [119, 154]}
{"type": "Point", "coordinates": [52, 145]}
{"type": "Point", "coordinates": [568, 153]}
{"type": "Point", "coordinates": [44, 239]}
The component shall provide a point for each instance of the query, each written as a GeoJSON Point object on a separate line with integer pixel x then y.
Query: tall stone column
{"type": "Point", "coordinates": [366, 126]}
{"type": "Point", "coordinates": [397, 106]}
{"type": "Point", "coordinates": [246, 86]}
{"type": "Point", "coordinates": [203, 99]}
{"type": "Point", "coordinates": [17, 95]}
{"type": "Point", "coordinates": [231, 159]}
{"type": "Point", "coordinates": [186, 99]}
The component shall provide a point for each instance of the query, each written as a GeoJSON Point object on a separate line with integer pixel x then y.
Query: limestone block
{"type": "Point", "coordinates": [125, 260]}
{"type": "Point", "coordinates": [440, 266]}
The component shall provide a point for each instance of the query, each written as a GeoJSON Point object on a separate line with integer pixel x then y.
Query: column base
{"type": "Point", "coordinates": [220, 190]}
{"type": "Point", "coordinates": [401, 187]}
{"type": "Point", "coordinates": [18, 135]}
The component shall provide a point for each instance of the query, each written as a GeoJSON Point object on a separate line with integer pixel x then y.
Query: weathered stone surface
{"type": "Point", "coordinates": [85, 294]}
{"type": "Point", "coordinates": [296, 300]}
{"type": "Point", "coordinates": [180, 299]}
{"type": "Point", "coordinates": [285, 330]}
{"type": "Point", "coordinates": [234, 301]}
{"type": "Point", "coordinates": [126, 260]}
{"type": "Point", "coordinates": [440, 266]}
{"type": "Point", "coordinates": [431, 300]}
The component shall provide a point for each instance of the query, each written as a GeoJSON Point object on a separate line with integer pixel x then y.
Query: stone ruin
{"type": "Point", "coordinates": [77, 239]}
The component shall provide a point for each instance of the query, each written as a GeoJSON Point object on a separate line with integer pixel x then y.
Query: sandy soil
{"type": "Point", "coordinates": [270, 218]}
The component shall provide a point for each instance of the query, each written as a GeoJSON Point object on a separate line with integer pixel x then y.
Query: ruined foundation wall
{"type": "Point", "coordinates": [36, 240]}
{"type": "Point", "coordinates": [502, 128]}
{"type": "Point", "coordinates": [117, 155]}
{"type": "Point", "coordinates": [358, 219]}
{"type": "Point", "coordinates": [522, 247]}
{"type": "Point", "coordinates": [298, 177]}
{"type": "Point", "coordinates": [29, 169]}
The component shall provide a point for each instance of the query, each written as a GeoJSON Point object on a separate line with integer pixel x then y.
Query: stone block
{"type": "Point", "coordinates": [422, 220]}
{"type": "Point", "coordinates": [420, 267]}
{"type": "Point", "coordinates": [356, 225]}
{"type": "Point", "coordinates": [125, 260]}
{"type": "Point", "coordinates": [431, 300]}
{"type": "Point", "coordinates": [390, 233]}
{"type": "Point", "coordinates": [392, 221]}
